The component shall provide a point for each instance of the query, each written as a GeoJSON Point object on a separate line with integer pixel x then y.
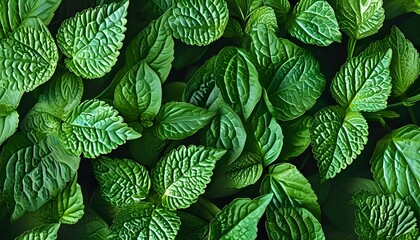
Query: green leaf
{"type": "Point", "coordinates": [412, 6]}
{"type": "Point", "coordinates": [25, 63]}
{"type": "Point", "coordinates": [281, 8]}
{"type": "Point", "coordinates": [359, 18]}
{"type": "Point", "coordinates": [192, 227]}
{"type": "Point", "coordinates": [363, 83]}
{"type": "Point", "coordinates": [143, 221]}
{"type": "Point", "coordinates": [337, 138]}
{"type": "Point", "coordinates": [43, 232]}
{"type": "Point", "coordinates": [199, 22]}
{"type": "Point", "coordinates": [290, 189]}
{"type": "Point", "coordinates": [8, 125]}
{"type": "Point", "coordinates": [92, 39]}
{"type": "Point", "coordinates": [233, 29]}
{"type": "Point", "coordinates": [178, 120]}
{"type": "Point", "coordinates": [9, 100]}
{"type": "Point", "coordinates": [244, 171]}
{"type": "Point", "coordinates": [138, 96]}
{"type": "Point", "coordinates": [94, 128]}
{"type": "Point", "coordinates": [237, 79]}
{"type": "Point", "coordinates": [68, 206]}
{"type": "Point", "coordinates": [292, 223]}
{"type": "Point", "coordinates": [122, 182]}
{"type": "Point", "coordinates": [225, 131]}
{"type": "Point", "coordinates": [405, 63]}
{"type": "Point", "coordinates": [314, 22]}
{"type": "Point", "coordinates": [239, 219]}
{"type": "Point", "coordinates": [395, 164]}
{"type": "Point", "coordinates": [262, 15]}
{"type": "Point", "coordinates": [382, 217]}
{"type": "Point", "coordinates": [243, 8]}
{"type": "Point", "coordinates": [296, 137]}
{"type": "Point", "coordinates": [31, 178]}
{"type": "Point", "coordinates": [40, 121]}
{"type": "Point", "coordinates": [183, 174]}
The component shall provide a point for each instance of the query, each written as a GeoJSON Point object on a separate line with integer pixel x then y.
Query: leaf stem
{"type": "Point", "coordinates": [351, 46]}
{"type": "Point", "coordinates": [208, 206]}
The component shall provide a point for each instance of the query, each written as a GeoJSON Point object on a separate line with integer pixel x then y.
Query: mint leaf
{"type": "Point", "coordinates": [363, 83]}
{"type": "Point", "coordinates": [281, 8]}
{"type": "Point", "coordinates": [123, 182]}
{"type": "Point", "coordinates": [233, 29]}
{"type": "Point", "coordinates": [8, 125]}
{"type": "Point", "coordinates": [182, 175]}
{"type": "Point", "coordinates": [199, 22]}
{"type": "Point", "coordinates": [92, 39]}
{"type": "Point", "coordinates": [337, 138]}
{"type": "Point", "coordinates": [47, 231]}
{"type": "Point", "coordinates": [192, 227]}
{"type": "Point", "coordinates": [262, 15]}
{"type": "Point", "coordinates": [244, 171]}
{"type": "Point", "coordinates": [314, 22]}
{"type": "Point", "coordinates": [243, 8]}
{"type": "Point", "coordinates": [94, 128]}
{"type": "Point", "coordinates": [239, 219]}
{"type": "Point", "coordinates": [40, 121]}
{"type": "Point", "coordinates": [68, 206]}
{"type": "Point", "coordinates": [296, 137]}
{"type": "Point", "coordinates": [9, 100]}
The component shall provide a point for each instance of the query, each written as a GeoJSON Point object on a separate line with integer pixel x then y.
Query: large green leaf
{"type": "Point", "coordinates": [290, 188]}
{"type": "Point", "coordinates": [262, 15]}
{"type": "Point", "coordinates": [26, 64]}
{"type": "Point", "coordinates": [314, 22]}
{"type": "Point", "coordinates": [296, 137]}
{"type": "Point", "coordinates": [182, 175]}
{"type": "Point", "coordinates": [237, 79]}
{"type": "Point", "coordinates": [138, 96]}
{"type": "Point", "coordinates": [145, 222]}
{"type": "Point", "coordinates": [94, 128]}
{"type": "Point", "coordinates": [363, 83]}
{"type": "Point", "coordinates": [244, 171]}
{"type": "Point", "coordinates": [292, 223]}
{"type": "Point", "coordinates": [92, 39]}
{"type": "Point", "coordinates": [122, 182]}
{"type": "Point", "coordinates": [8, 125]}
{"type": "Point", "coordinates": [68, 206]}
{"type": "Point", "coordinates": [337, 138]}
{"type": "Point", "coordinates": [178, 120]}
{"type": "Point", "coordinates": [395, 163]}
{"type": "Point", "coordinates": [43, 232]}
{"type": "Point", "coordinates": [199, 22]}
{"type": "Point", "coordinates": [239, 219]}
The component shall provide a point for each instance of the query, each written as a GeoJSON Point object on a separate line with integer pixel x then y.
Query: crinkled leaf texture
{"type": "Point", "coordinates": [144, 222]}
{"type": "Point", "coordinates": [199, 22]}
{"type": "Point", "coordinates": [314, 22]}
{"type": "Point", "coordinates": [122, 182]}
{"type": "Point", "coordinates": [35, 172]}
{"type": "Point", "coordinates": [262, 15]}
{"type": "Point", "coordinates": [382, 216]}
{"type": "Point", "coordinates": [94, 128]}
{"type": "Point", "coordinates": [92, 39]}
{"type": "Point", "coordinates": [181, 176]}
{"type": "Point", "coordinates": [178, 120]}
{"type": "Point", "coordinates": [290, 188]}
{"type": "Point", "coordinates": [68, 206]}
{"type": "Point", "coordinates": [239, 219]}
{"type": "Point", "coordinates": [396, 164]}
{"type": "Point", "coordinates": [337, 138]}
{"type": "Point", "coordinates": [43, 232]}
{"type": "Point", "coordinates": [244, 171]}
{"type": "Point", "coordinates": [296, 137]}
{"type": "Point", "coordinates": [292, 223]}
{"type": "Point", "coordinates": [8, 125]}
{"type": "Point", "coordinates": [281, 8]}
{"type": "Point", "coordinates": [25, 64]}
{"type": "Point", "coordinates": [364, 82]}
{"type": "Point", "coordinates": [237, 79]}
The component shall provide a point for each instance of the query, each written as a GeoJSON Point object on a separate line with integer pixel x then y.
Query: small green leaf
{"type": "Point", "coordinates": [92, 39]}
{"type": "Point", "coordinates": [262, 15]}
{"type": "Point", "coordinates": [412, 6]}
{"type": "Point", "coordinates": [199, 22]}
{"type": "Point", "coordinates": [337, 138]}
{"type": "Point", "coordinates": [244, 171]}
{"type": "Point", "coordinates": [243, 8]}
{"type": "Point", "coordinates": [296, 137]}
{"type": "Point", "coordinates": [182, 175]}
{"type": "Point", "coordinates": [68, 206]}
{"type": "Point", "coordinates": [8, 125]}
{"type": "Point", "coordinates": [233, 29]}
{"type": "Point", "coordinates": [281, 8]}
{"type": "Point", "coordinates": [9, 100]}
{"type": "Point", "coordinates": [178, 120]}
{"type": "Point", "coordinates": [40, 121]}
{"type": "Point", "coordinates": [314, 22]}
{"type": "Point", "coordinates": [47, 232]}
{"type": "Point", "coordinates": [363, 83]}
{"type": "Point", "coordinates": [239, 219]}
{"type": "Point", "coordinates": [122, 182]}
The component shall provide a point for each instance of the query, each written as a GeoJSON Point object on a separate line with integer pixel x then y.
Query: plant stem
{"type": "Point", "coordinates": [208, 206]}
{"type": "Point", "coordinates": [412, 115]}
{"type": "Point", "coordinates": [350, 48]}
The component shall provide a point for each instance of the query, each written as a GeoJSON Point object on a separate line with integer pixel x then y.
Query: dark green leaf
{"type": "Point", "coordinates": [296, 137]}
{"type": "Point", "coordinates": [68, 206]}
{"type": "Point", "coordinates": [47, 232]}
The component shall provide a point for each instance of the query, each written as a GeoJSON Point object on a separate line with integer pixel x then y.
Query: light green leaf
{"type": "Point", "coordinates": [239, 219]}
{"type": "Point", "coordinates": [68, 206]}
{"type": "Point", "coordinates": [94, 128]}
{"type": "Point", "coordinates": [237, 79]}
{"type": "Point", "coordinates": [395, 164]}
{"type": "Point", "coordinates": [199, 22]}
{"type": "Point", "coordinates": [281, 8]}
{"type": "Point", "coordinates": [363, 83]}
{"type": "Point", "coordinates": [43, 232]}
{"type": "Point", "coordinates": [262, 15]}
{"type": "Point", "coordinates": [405, 63]}
{"type": "Point", "coordinates": [290, 189]}
{"type": "Point", "coordinates": [359, 18]}
{"type": "Point", "coordinates": [412, 6]}
{"type": "Point", "coordinates": [26, 64]}
{"type": "Point", "coordinates": [337, 138]}
{"type": "Point", "coordinates": [8, 125]}
{"type": "Point", "coordinates": [182, 175]}
{"type": "Point", "coordinates": [192, 227]}
{"type": "Point", "coordinates": [296, 137]}
{"type": "Point", "coordinates": [9, 100]}
{"type": "Point", "coordinates": [314, 22]}
{"type": "Point", "coordinates": [244, 171]}
{"type": "Point", "coordinates": [122, 182]}
{"type": "Point", "coordinates": [178, 120]}
{"type": "Point", "coordinates": [138, 96]}
{"type": "Point", "coordinates": [92, 39]}
{"type": "Point", "coordinates": [40, 121]}
{"type": "Point", "coordinates": [225, 131]}
{"type": "Point", "coordinates": [292, 223]}
{"type": "Point", "coordinates": [382, 217]}
{"type": "Point", "coordinates": [145, 222]}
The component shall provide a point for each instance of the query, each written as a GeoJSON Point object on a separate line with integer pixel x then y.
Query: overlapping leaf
{"type": "Point", "coordinates": [296, 137]}
{"type": "Point", "coordinates": [8, 125]}
{"type": "Point", "coordinates": [47, 231]}
{"type": "Point", "coordinates": [68, 206]}
{"type": "Point", "coordinates": [244, 171]}
{"type": "Point", "coordinates": [262, 15]}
